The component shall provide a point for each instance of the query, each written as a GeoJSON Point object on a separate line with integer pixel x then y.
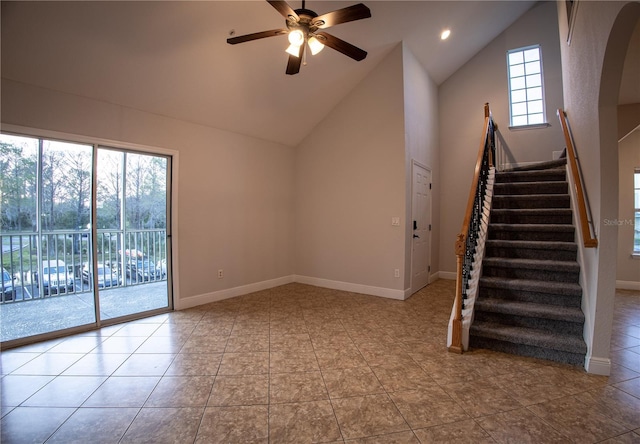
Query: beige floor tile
{"type": "Point", "coordinates": [194, 364]}
{"type": "Point", "coordinates": [303, 422]}
{"type": "Point", "coordinates": [181, 391]}
{"type": "Point", "coordinates": [570, 416]}
{"type": "Point", "coordinates": [461, 432]}
{"type": "Point", "coordinates": [613, 403]}
{"type": "Point", "coordinates": [65, 391]}
{"type": "Point", "coordinates": [94, 425]}
{"type": "Point", "coordinates": [291, 342]}
{"type": "Point", "coordinates": [151, 364]}
{"type": "Point", "coordinates": [371, 415]}
{"type": "Point", "coordinates": [239, 424]}
{"type": "Point", "coordinates": [161, 344]}
{"type": "Point", "coordinates": [521, 426]}
{"type": "Point", "coordinates": [627, 438]}
{"type": "Point", "coordinates": [396, 376]}
{"type": "Point", "coordinates": [296, 387]}
{"type": "Point", "coordinates": [293, 361]}
{"type": "Point", "coordinates": [248, 343]}
{"type": "Point", "coordinates": [123, 391]}
{"type": "Point", "coordinates": [48, 364]}
{"type": "Point", "coordinates": [10, 361]}
{"type": "Point", "coordinates": [164, 425]}
{"type": "Point", "coordinates": [632, 386]}
{"type": "Point", "coordinates": [338, 358]}
{"type": "Point", "coordinates": [240, 390]}
{"type": "Point", "coordinates": [97, 364]}
{"type": "Point", "coordinates": [428, 407]}
{"type": "Point", "coordinates": [204, 344]}
{"type": "Point", "coordinates": [18, 426]}
{"type": "Point", "coordinates": [15, 389]}
{"type": "Point", "coordinates": [356, 381]}
{"type": "Point", "coordinates": [392, 438]}
{"type": "Point", "coordinates": [481, 398]}
{"type": "Point", "coordinates": [248, 363]}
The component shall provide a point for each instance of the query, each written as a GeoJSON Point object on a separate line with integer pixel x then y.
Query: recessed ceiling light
{"type": "Point", "coordinates": [445, 34]}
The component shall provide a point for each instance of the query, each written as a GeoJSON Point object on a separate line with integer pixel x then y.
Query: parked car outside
{"type": "Point", "coordinates": [107, 277]}
{"type": "Point", "coordinates": [162, 266]}
{"type": "Point", "coordinates": [8, 289]}
{"type": "Point", "coordinates": [56, 277]}
{"type": "Point", "coordinates": [141, 270]}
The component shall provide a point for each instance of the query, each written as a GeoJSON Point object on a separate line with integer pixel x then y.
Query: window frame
{"type": "Point", "coordinates": [526, 89]}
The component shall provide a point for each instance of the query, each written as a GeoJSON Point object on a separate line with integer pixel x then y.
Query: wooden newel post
{"type": "Point", "coordinates": [456, 332]}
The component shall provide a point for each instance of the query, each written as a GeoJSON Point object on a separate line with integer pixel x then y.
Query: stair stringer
{"type": "Point", "coordinates": [476, 273]}
{"type": "Point", "coordinates": [595, 365]}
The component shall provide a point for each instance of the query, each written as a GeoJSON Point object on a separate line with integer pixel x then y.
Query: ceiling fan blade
{"type": "Point", "coordinates": [348, 14]}
{"type": "Point", "coordinates": [293, 64]}
{"type": "Point", "coordinates": [341, 46]}
{"type": "Point", "coordinates": [284, 9]}
{"type": "Point", "coordinates": [256, 36]}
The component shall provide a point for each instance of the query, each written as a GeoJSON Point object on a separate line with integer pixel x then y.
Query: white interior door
{"type": "Point", "coordinates": [421, 227]}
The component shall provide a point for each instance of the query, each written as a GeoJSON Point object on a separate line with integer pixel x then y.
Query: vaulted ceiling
{"type": "Point", "coordinates": [172, 59]}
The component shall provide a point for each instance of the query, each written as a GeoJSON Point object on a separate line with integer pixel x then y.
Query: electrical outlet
{"type": "Point", "coordinates": [396, 272]}
{"type": "Point", "coordinates": [220, 274]}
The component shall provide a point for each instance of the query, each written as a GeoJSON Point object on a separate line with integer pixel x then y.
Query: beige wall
{"type": "Point", "coordinates": [349, 184]}
{"type": "Point", "coordinates": [592, 67]}
{"type": "Point", "coordinates": [421, 141]}
{"type": "Point", "coordinates": [235, 193]}
{"type": "Point", "coordinates": [628, 268]}
{"type": "Point", "coordinates": [462, 97]}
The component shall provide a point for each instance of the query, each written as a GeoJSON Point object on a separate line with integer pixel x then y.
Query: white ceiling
{"type": "Point", "coordinates": [171, 58]}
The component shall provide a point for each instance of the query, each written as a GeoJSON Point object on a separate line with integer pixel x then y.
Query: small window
{"type": "Point", "coordinates": [526, 91]}
{"type": "Point", "coordinates": [636, 200]}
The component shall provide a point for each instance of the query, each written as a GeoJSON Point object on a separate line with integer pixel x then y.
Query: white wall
{"type": "Point", "coordinates": [461, 100]}
{"type": "Point", "coordinates": [235, 201]}
{"type": "Point", "coordinates": [350, 182]}
{"type": "Point", "coordinates": [421, 141]}
{"type": "Point", "coordinates": [628, 268]}
{"type": "Point", "coordinates": [592, 67]}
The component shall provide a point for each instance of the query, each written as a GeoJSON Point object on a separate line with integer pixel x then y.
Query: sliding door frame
{"type": "Point", "coordinates": [172, 225]}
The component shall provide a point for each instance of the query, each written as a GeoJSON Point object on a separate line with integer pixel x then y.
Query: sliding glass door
{"type": "Point", "coordinates": [84, 233]}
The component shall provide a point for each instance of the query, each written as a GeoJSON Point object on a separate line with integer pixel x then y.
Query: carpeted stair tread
{"type": "Point", "coordinates": [535, 264]}
{"type": "Point", "coordinates": [549, 164]}
{"type": "Point", "coordinates": [532, 215]}
{"type": "Point", "coordinates": [523, 201]}
{"type": "Point", "coordinates": [534, 227]}
{"type": "Point", "coordinates": [524, 188]}
{"type": "Point", "coordinates": [560, 288]}
{"type": "Point", "coordinates": [529, 336]}
{"type": "Point", "coordinates": [537, 245]}
{"type": "Point", "coordinates": [527, 249]}
{"type": "Point", "coordinates": [555, 174]}
{"type": "Point", "coordinates": [529, 309]}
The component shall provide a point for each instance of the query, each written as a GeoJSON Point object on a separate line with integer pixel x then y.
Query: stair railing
{"type": "Point", "coordinates": [467, 241]}
{"type": "Point", "coordinates": [588, 236]}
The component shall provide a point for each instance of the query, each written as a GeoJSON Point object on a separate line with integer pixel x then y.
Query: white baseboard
{"type": "Point", "coordinates": [597, 366]}
{"type": "Point", "coordinates": [628, 285]}
{"type": "Point", "coordinates": [214, 296]}
{"type": "Point", "coordinates": [401, 295]}
{"type": "Point", "coordinates": [355, 288]}
{"type": "Point", "coordinates": [449, 275]}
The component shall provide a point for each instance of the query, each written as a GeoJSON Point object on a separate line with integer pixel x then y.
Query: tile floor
{"type": "Point", "coordinates": [300, 364]}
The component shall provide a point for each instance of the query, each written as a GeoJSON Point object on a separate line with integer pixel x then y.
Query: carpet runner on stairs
{"type": "Point", "coordinates": [529, 298]}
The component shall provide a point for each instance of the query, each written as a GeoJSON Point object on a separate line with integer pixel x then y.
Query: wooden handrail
{"type": "Point", "coordinates": [589, 240]}
{"type": "Point", "coordinates": [456, 332]}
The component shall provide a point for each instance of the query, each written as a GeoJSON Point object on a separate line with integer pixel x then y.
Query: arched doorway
{"type": "Point", "coordinates": [616, 53]}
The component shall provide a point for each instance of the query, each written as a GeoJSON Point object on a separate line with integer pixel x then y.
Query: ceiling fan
{"type": "Point", "coordinates": [304, 28]}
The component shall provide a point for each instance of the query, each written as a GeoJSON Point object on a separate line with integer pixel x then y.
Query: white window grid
{"type": "Point", "coordinates": [526, 86]}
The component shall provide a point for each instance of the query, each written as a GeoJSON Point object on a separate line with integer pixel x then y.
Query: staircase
{"type": "Point", "coordinates": [529, 297]}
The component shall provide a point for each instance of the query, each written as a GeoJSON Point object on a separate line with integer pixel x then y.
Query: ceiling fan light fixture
{"type": "Point", "coordinates": [296, 37]}
{"type": "Point", "coordinates": [315, 45]}
{"type": "Point", "coordinates": [293, 50]}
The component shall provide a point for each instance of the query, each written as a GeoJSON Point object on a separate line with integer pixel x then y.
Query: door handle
{"type": "Point", "coordinates": [415, 236]}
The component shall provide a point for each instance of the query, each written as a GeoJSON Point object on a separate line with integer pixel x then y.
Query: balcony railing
{"type": "Point", "coordinates": [57, 263]}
